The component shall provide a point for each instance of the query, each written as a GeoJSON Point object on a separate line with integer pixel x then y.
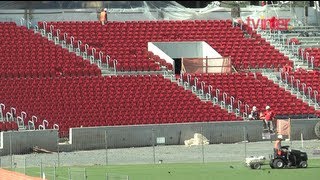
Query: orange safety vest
{"type": "Point", "coordinates": [103, 16]}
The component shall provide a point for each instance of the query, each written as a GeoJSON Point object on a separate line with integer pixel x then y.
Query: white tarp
{"type": "Point", "coordinates": [198, 139]}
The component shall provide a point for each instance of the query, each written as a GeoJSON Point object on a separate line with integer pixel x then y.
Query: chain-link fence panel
{"type": "Point", "coordinates": [77, 173]}
{"type": "Point", "coordinates": [129, 145]}
{"type": "Point", "coordinates": [112, 176]}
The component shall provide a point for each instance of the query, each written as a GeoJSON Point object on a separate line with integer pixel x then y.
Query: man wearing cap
{"type": "Point", "coordinates": [268, 118]}
{"type": "Point", "coordinates": [103, 16]}
{"type": "Point", "coordinates": [277, 145]}
{"type": "Point", "coordinates": [282, 151]}
{"type": "Point", "coordinates": [254, 115]}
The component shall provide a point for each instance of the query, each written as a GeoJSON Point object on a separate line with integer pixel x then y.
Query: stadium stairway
{"type": "Point", "coordinates": [199, 92]}
{"type": "Point", "coordinates": [279, 40]}
{"type": "Point", "coordinates": [282, 41]}
{"type": "Point", "coordinates": [104, 62]}
{"type": "Point", "coordinates": [168, 74]}
{"type": "Point", "coordinates": [289, 83]}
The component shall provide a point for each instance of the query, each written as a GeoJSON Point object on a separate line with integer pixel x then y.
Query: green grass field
{"type": "Point", "coordinates": [189, 171]}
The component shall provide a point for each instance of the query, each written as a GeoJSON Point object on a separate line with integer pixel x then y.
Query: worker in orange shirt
{"type": "Point", "coordinates": [268, 117]}
{"type": "Point", "coordinates": [103, 16]}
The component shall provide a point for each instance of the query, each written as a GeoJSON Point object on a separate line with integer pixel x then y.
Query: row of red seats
{"type": "Point", "coordinates": [117, 39]}
{"type": "Point", "coordinates": [108, 100]}
{"type": "Point", "coordinates": [309, 53]}
{"type": "Point", "coordinates": [46, 59]}
{"type": "Point", "coordinates": [238, 84]}
{"type": "Point", "coordinates": [8, 126]}
{"type": "Point", "coordinates": [311, 79]}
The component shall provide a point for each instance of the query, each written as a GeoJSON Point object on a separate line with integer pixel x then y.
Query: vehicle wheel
{"type": "Point", "coordinates": [303, 164]}
{"type": "Point", "coordinates": [278, 163]}
{"type": "Point", "coordinates": [271, 164]}
{"type": "Point", "coordinates": [255, 166]}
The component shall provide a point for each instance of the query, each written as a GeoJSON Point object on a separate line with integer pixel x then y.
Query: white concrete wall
{"type": "Point", "coordinates": [157, 51]}
{"type": "Point", "coordinates": [181, 49]}
{"type": "Point", "coordinates": [89, 138]}
{"type": "Point", "coordinates": [176, 134]}
{"type": "Point", "coordinates": [23, 141]}
{"type": "Point", "coordinates": [217, 62]}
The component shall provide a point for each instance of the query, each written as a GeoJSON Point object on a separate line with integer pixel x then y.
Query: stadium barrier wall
{"type": "Point", "coordinates": [90, 138]}
{"type": "Point", "coordinates": [176, 134]}
{"type": "Point", "coordinates": [23, 141]}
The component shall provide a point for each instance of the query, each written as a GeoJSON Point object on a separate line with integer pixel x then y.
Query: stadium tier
{"type": "Point", "coordinates": [308, 82]}
{"type": "Point", "coordinates": [255, 90]}
{"type": "Point", "coordinates": [311, 52]}
{"type": "Point", "coordinates": [26, 54]}
{"type": "Point", "coordinates": [128, 41]}
{"type": "Point", "coordinates": [46, 80]}
{"type": "Point", "coordinates": [108, 101]}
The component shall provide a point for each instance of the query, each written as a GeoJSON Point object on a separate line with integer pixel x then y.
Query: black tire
{"type": "Point", "coordinates": [303, 164]}
{"type": "Point", "coordinates": [278, 163]}
{"type": "Point", "coordinates": [271, 163]}
{"type": "Point", "coordinates": [317, 129]}
{"type": "Point", "coordinates": [255, 166]}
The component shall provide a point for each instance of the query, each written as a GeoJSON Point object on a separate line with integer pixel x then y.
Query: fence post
{"type": "Point", "coordinates": [54, 171]}
{"type": "Point", "coordinates": [58, 152]}
{"type": "Point", "coordinates": [25, 165]}
{"type": "Point", "coordinates": [69, 173]}
{"type": "Point", "coordinates": [106, 141]}
{"type": "Point", "coordinates": [202, 147]}
{"type": "Point", "coordinates": [153, 146]}
{"type": "Point", "coordinates": [85, 173]}
{"type": "Point", "coordinates": [11, 156]}
{"type": "Point", "coordinates": [41, 170]}
{"type": "Point", "coordinates": [245, 141]}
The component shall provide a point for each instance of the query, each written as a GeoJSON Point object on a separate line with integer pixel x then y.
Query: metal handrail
{"type": "Point", "coordinates": [224, 96]}
{"type": "Point", "coordinates": [13, 111]}
{"type": "Point", "coordinates": [21, 120]}
{"type": "Point", "coordinates": [209, 89]}
{"type": "Point", "coordinates": [22, 21]}
{"type": "Point", "coordinates": [79, 43]}
{"type": "Point", "coordinates": [2, 107]}
{"type": "Point", "coordinates": [56, 126]}
{"type": "Point", "coordinates": [23, 114]}
{"type": "Point", "coordinates": [41, 127]}
{"type": "Point", "coordinates": [86, 47]}
{"type": "Point", "coordinates": [107, 60]}
{"type": "Point", "coordinates": [202, 86]}
{"type": "Point", "coordinates": [239, 105]}
{"type": "Point", "coordinates": [32, 125]}
{"type": "Point", "coordinates": [45, 24]}
{"type": "Point", "coordinates": [303, 89]}
{"type": "Point", "coordinates": [298, 84]}
{"type": "Point", "coordinates": [7, 116]}
{"type": "Point", "coordinates": [232, 101]}
{"type": "Point", "coordinates": [312, 61]}
{"type": "Point", "coordinates": [100, 55]}
{"type": "Point", "coordinates": [309, 92]}
{"type": "Point", "coordinates": [217, 93]}
{"type": "Point", "coordinates": [51, 28]}
{"type": "Point", "coordinates": [115, 62]}
{"type": "Point", "coordinates": [315, 93]}
{"type": "Point", "coordinates": [189, 79]}
{"type": "Point", "coordinates": [65, 37]}
{"type": "Point", "coordinates": [93, 51]}
{"type": "Point", "coordinates": [246, 108]}
{"type": "Point", "coordinates": [34, 118]}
